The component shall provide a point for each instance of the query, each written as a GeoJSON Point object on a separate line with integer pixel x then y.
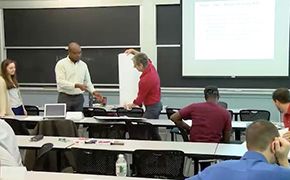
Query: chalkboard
{"type": "Point", "coordinates": [93, 26]}
{"type": "Point", "coordinates": [168, 24]}
{"type": "Point", "coordinates": [98, 26]}
{"type": "Point", "coordinates": [37, 66]}
{"type": "Point", "coordinates": [169, 59]}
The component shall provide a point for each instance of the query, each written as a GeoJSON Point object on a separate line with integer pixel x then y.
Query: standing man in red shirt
{"type": "Point", "coordinates": [281, 99]}
{"type": "Point", "coordinates": [149, 92]}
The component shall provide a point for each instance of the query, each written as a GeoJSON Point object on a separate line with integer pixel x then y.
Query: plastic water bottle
{"type": "Point", "coordinates": [121, 166]}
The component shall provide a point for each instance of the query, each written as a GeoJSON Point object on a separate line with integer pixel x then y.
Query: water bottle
{"type": "Point", "coordinates": [121, 166]}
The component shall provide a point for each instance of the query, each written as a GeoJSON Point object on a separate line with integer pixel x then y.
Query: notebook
{"type": "Point", "coordinates": [55, 111]}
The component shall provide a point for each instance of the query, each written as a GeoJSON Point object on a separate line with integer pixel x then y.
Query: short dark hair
{"type": "Point", "coordinates": [211, 91]}
{"type": "Point", "coordinates": [260, 134]}
{"type": "Point", "coordinates": [281, 94]}
{"type": "Point", "coordinates": [141, 58]}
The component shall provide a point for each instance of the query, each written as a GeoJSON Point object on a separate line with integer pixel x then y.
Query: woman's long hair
{"type": "Point", "coordinates": [10, 84]}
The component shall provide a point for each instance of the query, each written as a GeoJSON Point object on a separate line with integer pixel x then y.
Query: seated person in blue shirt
{"type": "Point", "coordinates": [266, 158]}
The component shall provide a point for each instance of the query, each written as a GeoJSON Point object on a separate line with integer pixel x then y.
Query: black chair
{"type": "Point", "coordinates": [158, 164]}
{"type": "Point", "coordinates": [140, 130]}
{"type": "Point", "coordinates": [41, 162]}
{"type": "Point", "coordinates": [94, 111]}
{"type": "Point", "coordinates": [223, 104]}
{"type": "Point", "coordinates": [57, 160]}
{"type": "Point", "coordinates": [231, 114]}
{"type": "Point", "coordinates": [18, 127]}
{"type": "Point", "coordinates": [111, 131]}
{"type": "Point", "coordinates": [184, 134]}
{"type": "Point", "coordinates": [32, 110]}
{"type": "Point", "coordinates": [91, 161]}
{"type": "Point", "coordinates": [254, 114]}
{"type": "Point", "coordinates": [134, 112]}
{"type": "Point", "coordinates": [175, 130]}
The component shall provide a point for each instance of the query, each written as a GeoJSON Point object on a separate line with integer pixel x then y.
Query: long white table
{"type": "Point", "coordinates": [32, 175]}
{"type": "Point", "coordinates": [237, 126]}
{"type": "Point", "coordinates": [24, 142]}
{"type": "Point", "coordinates": [189, 148]}
{"type": "Point", "coordinates": [154, 122]}
{"type": "Point", "coordinates": [232, 150]}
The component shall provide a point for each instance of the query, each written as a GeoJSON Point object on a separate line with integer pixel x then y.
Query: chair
{"type": "Point", "coordinates": [184, 134]}
{"type": "Point", "coordinates": [140, 130]}
{"type": "Point", "coordinates": [254, 114]}
{"type": "Point", "coordinates": [134, 112]}
{"type": "Point", "coordinates": [158, 164]}
{"type": "Point", "coordinates": [91, 161]}
{"type": "Point", "coordinates": [231, 114]}
{"type": "Point", "coordinates": [94, 111]}
{"type": "Point", "coordinates": [57, 160]}
{"type": "Point", "coordinates": [59, 127]}
{"type": "Point", "coordinates": [111, 131]}
{"type": "Point", "coordinates": [175, 130]}
{"type": "Point", "coordinates": [18, 127]}
{"type": "Point", "coordinates": [223, 104]}
{"type": "Point", "coordinates": [32, 110]}
{"type": "Point", "coordinates": [41, 162]}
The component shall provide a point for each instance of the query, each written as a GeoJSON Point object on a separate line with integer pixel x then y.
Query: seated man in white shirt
{"type": "Point", "coordinates": [8, 144]}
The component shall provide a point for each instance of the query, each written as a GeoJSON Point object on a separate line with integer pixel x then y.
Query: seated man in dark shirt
{"type": "Point", "coordinates": [210, 121]}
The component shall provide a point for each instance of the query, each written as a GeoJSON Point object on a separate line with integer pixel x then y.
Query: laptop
{"type": "Point", "coordinates": [55, 111]}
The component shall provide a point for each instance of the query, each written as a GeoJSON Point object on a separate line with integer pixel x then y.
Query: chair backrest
{"type": "Point", "coordinates": [170, 111]}
{"type": "Point", "coordinates": [59, 127]}
{"type": "Point", "coordinates": [91, 161]}
{"type": "Point", "coordinates": [158, 164]}
{"type": "Point", "coordinates": [111, 131]}
{"type": "Point", "coordinates": [223, 104]}
{"type": "Point", "coordinates": [254, 114]}
{"type": "Point", "coordinates": [32, 110]}
{"type": "Point", "coordinates": [231, 114]}
{"type": "Point", "coordinates": [140, 130]}
{"type": "Point", "coordinates": [134, 112]}
{"type": "Point", "coordinates": [41, 161]}
{"type": "Point", "coordinates": [184, 134]}
{"type": "Point", "coordinates": [18, 127]}
{"type": "Point", "coordinates": [94, 111]}
{"type": "Point", "coordinates": [55, 160]}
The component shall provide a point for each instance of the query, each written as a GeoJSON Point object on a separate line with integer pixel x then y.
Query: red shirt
{"type": "Point", "coordinates": [209, 121]}
{"type": "Point", "coordinates": [286, 118]}
{"type": "Point", "coordinates": [149, 86]}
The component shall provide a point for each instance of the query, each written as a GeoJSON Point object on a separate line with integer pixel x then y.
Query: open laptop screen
{"type": "Point", "coordinates": [55, 110]}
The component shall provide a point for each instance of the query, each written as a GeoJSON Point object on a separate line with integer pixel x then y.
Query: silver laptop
{"type": "Point", "coordinates": [55, 111]}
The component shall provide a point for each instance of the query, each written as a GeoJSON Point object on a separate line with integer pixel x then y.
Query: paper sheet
{"type": "Point", "coordinates": [128, 79]}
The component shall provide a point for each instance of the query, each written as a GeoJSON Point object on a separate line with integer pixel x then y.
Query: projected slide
{"type": "Point", "coordinates": [235, 37]}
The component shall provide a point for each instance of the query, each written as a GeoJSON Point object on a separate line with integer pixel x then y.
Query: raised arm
{"type": "Point", "coordinates": [131, 51]}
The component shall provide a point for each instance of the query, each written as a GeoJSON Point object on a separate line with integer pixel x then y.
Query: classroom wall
{"type": "Point", "coordinates": [257, 99]}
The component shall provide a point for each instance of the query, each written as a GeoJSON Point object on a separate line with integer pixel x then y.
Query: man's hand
{"type": "Point", "coordinates": [82, 87]}
{"type": "Point", "coordinates": [281, 150]}
{"type": "Point", "coordinates": [131, 51]}
{"type": "Point", "coordinates": [129, 106]}
{"type": "Point", "coordinates": [287, 136]}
